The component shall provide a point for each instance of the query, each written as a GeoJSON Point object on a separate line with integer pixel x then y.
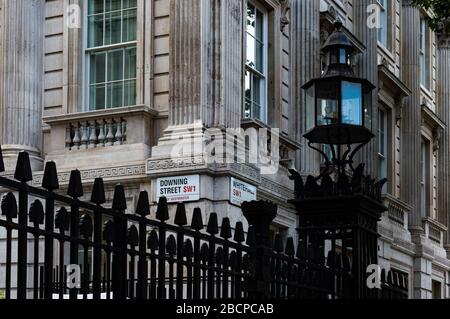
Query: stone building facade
{"type": "Point", "coordinates": [112, 87]}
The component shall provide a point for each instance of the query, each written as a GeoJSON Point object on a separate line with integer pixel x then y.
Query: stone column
{"type": "Point", "coordinates": [411, 145]}
{"type": "Point", "coordinates": [411, 120]}
{"type": "Point", "coordinates": [443, 102]}
{"type": "Point", "coordinates": [367, 68]}
{"type": "Point", "coordinates": [206, 61]}
{"type": "Point", "coordinates": [305, 28]}
{"type": "Point", "coordinates": [21, 75]}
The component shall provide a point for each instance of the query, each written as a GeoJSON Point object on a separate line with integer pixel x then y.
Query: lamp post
{"type": "Point", "coordinates": [339, 105]}
{"type": "Point", "coordinates": [338, 219]}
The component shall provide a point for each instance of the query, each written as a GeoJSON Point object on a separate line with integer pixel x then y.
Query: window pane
{"type": "Point", "coordinates": [251, 59]}
{"type": "Point", "coordinates": [251, 20]}
{"type": "Point", "coordinates": [95, 31]}
{"type": "Point", "coordinates": [97, 97]}
{"type": "Point", "coordinates": [129, 25]}
{"type": "Point", "coordinates": [98, 68]}
{"type": "Point", "coordinates": [248, 88]}
{"type": "Point", "coordinates": [113, 5]}
{"type": "Point", "coordinates": [129, 4]}
{"type": "Point", "coordinates": [115, 95]}
{"type": "Point", "coordinates": [422, 69]}
{"type": "Point", "coordinates": [259, 26]}
{"type": "Point", "coordinates": [351, 103]}
{"type": "Point", "coordinates": [130, 63]}
{"type": "Point", "coordinates": [257, 111]}
{"type": "Point", "coordinates": [113, 28]}
{"type": "Point", "coordinates": [257, 90]}
{"type": "Point", "coordinates": [115, 65]}
{"type": "Point", "coordinates": [381, 133]}
{"type": "Point", "coordinates": [95, 6]}
{"type": "Point", "coordinates": [248, 109]}
{"type": "Point", "coordinates": [130, 93]}
{"type": "Point", "coordinates": [259, 57]}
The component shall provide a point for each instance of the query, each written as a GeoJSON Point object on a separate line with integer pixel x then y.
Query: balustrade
{"type": "Point", "coordinates": [96, 133]}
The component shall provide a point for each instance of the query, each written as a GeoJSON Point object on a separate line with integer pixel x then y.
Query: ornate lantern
{"type": "Point", "coordinates": [339, 105]}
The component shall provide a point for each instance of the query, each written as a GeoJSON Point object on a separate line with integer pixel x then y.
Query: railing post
{"type": "Point", "coordinates": [260, 215]}
{"type": "Point", "coordinates": [98, 198]}
{"type": "Point", "coordinates": [75, 190]}
{"type": "Point", "coordinates": [119, 264]}
{"type": "Point", "coordinates": [24, 175]}
{"type": "Point", "coordinates": [142, 209]}
{"type": "Point", "coordinates": [50, 183]}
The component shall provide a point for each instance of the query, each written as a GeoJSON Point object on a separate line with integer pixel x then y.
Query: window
{"type": "Point", "coordinates": [425, 177]}
{"type": "Point", "coordinates": [425, 69]}
{"type": "Point", "coordinates": [382, 144]}
{"type": "Point", "coordinates": [384, 30]}
{"type": "Point", "coordinates": [111, 53]}
{"type": "Point", "coordinates": [256, 63]}
{"type": "Point", "coordinates": [436, 289]}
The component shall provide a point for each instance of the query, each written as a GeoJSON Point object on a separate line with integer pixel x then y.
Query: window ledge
{"type": "Point", "coordinates": [107, 113]}
{"type": "Point", "coordinates": [426, 92]}
{"type": "Point", "coordinates": [434, 230]}
{"type": "Point", "coordinates": [393, 82]}
{"type": "Point", "coordinates": [432, 119]}
{"type": "Point", "coordinates": [386, 52]}
{"type": "Point", "coordinates": [435, 223]}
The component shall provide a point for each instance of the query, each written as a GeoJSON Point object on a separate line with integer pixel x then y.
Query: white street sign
{"type": "Point", "coordinates": [179, 189]}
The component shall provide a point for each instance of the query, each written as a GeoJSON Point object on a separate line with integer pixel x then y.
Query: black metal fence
{"type": "Point", "coordinates": [140, 256]}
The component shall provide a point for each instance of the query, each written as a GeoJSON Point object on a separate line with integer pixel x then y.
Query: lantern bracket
{"type": "Point", "coordinates": [338, 161]}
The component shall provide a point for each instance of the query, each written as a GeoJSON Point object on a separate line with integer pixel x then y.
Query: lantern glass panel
{"type": "Point", "coordinates": [368, 110]}
{"type": "Point", "coordinates": [310, 104]}
{"type": "Point", "coordinates": [327, 103]}
{"type": "Point", "coordinates": [352, 103]}
{"type": "Point", "coordinates": [344, 57]}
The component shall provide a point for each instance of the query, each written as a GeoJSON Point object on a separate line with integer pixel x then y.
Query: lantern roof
{"type": "Point", "coordinates": [339, 78]}
{"type": "Point", "coordinates": [339, 39]}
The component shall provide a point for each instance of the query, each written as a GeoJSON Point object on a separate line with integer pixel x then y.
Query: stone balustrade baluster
{"type": "Point", "coordinates": [101, 134]}
{"type": "Point", "coordinates": [69, 140]}
{"type": "Point", "coordinates": [93, 134]}
{"type": "Point", "coordinates": [84, 135]}
{"type": "Point", "coordinates": [119, 135]}
{"type": "Point", "coordinates": [76, 138]}
{"type": "Point", "coordinates": [110, 134]}
{"type": "Point", "coordinates": [124, 132]}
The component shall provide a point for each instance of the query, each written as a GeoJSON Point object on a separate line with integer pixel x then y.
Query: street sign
{"type": "Point", "coordinates": [179, 189]}
{"type": "Point", "coordinates": [241, 192]}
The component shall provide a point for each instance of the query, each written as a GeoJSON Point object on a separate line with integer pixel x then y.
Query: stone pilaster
{"type": "Point", "coordinates": [411, 121]}
{"type": "Point", "coordinates": [206, 61]}
{"type": "Point", "coordinates": [21, 75]}
{"type": "Point", "coordinates": [306, 66]}
{"type": "Point", "coordinates": [367, 68]}
{"type": "Point", "coordinates": [443, 102]}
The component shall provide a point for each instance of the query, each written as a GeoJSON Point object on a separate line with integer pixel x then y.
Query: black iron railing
{"type": "Point", "coordinates": [141, 255]}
